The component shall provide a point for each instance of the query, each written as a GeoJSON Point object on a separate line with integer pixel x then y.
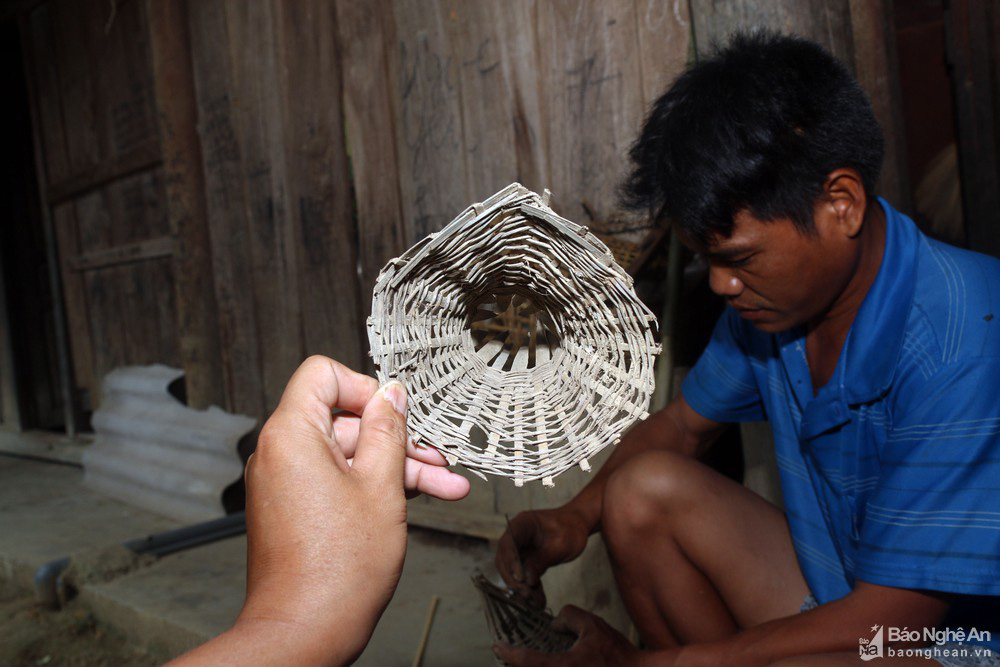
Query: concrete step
{"type": "Point", "coordinates": [178, 602]}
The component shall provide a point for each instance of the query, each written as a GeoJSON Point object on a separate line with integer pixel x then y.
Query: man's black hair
{"type": "Point", "coordinates": [756, 126]}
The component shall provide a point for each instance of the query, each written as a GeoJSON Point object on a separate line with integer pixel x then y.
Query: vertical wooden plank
{"type": "Point", "coordinates": [43, 78]}
{"type": "Point", "coordinates": [226, 205]}
{"type": "Point", "coordinates": [51, 161]}
{"type": "Point", "coordinates": [123, 80]}
{"type": "Point", "coordinates": [664, 36]}
{"type": "Point", "coordinates": [173, 77]}
{"type": "Point", "coordinates": [518, 47]}
{"type": "Point", "coordinates": [10, 409]}
{"type": "Point", "coordinates": [272, 243]}
{"type": "Point", "coordinates": [827, 22]}
{"type": "Point", "coordinates": [490, 44]}
{"type": "Point", "coordinates": [366, 36]}
{"type": "Point", "coordinates": [488, 150]}
{"type": "Point", "coordinates": [125, 209]}
{"type": "Point", "coordinates": [428, 119]}
{"type": "Point", "coordinates": [973, 33]}
{"type": "Point", "coordinates": [877, 68]}
{"type": "Point", "coordinates": [76, 26]}
{"type": "Point", "coordinates": [104, 306]}
{"type": "Point", "coordinates": [75, 298]}
{"type": "Point", "coordinates": [317, 182]}
{"type": "Point", "coordinates": [137, 210]}
{"type": "Point", "coordinates": [103, 289]}
{"type": "Point", "coordinates": [590, 76]}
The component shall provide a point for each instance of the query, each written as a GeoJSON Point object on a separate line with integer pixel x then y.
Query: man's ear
{"type": "Point", "coordinates": [844, 200]}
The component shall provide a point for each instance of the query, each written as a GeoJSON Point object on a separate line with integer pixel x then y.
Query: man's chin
{"type": "Point", "coordinates": [765, 319]}
{"type": "Point", "coordinates": [772, 325]}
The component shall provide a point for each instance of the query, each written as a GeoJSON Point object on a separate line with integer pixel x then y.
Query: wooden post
{"type": "Point", "coordinates": [877, 69]}
{"type": "Point", "coordinates": [67, 384]}
{"type": "Point", "coordinates": [10, 410]}
{"type": "Point", "coordinates": [173, 77]}
{"type": "Point", "coordinates": [972, 30]}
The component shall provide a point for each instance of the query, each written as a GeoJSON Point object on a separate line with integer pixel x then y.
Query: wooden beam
{"type": "Point", "coordinates": [455, 520]}
{"type": "Point", "coordinates": [123, 254]}
{"type": "Point", "coordinates": [177, 114]}
{"type": "Point", "coordinates": [145, 157]}
{"type": "Point", "coordinates": [46, 446]}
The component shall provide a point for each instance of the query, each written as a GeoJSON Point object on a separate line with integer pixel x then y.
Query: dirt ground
{"type": "Point", "coordinates": [31, 635]}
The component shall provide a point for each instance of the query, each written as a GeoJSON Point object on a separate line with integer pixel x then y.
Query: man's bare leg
{"type": "Point", "coordinates": [696, 556]}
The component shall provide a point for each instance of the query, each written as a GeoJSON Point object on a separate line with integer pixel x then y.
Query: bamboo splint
{"type": "Point", "coordinates": [522, 344]}
{"type": "Point", "coordinates": [513, 621]}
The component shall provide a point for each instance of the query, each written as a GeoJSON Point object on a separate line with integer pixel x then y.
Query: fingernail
{"type": "Point", "coordinates": [395, 393]}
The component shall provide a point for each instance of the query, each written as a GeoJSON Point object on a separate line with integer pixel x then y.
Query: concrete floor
{"type": "Point", "coordinates": [185, 598]}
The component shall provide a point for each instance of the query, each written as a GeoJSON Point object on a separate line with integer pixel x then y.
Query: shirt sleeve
{"type": "Point", "coordinates": [722, 386]}
{"type": "Point", "coordinates": [933, 520]}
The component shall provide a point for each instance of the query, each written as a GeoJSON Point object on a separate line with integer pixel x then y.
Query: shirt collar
{"type": "Point", "coordinates": [874, 342]}
{"type": "Point", "coordinates": [867, 362]}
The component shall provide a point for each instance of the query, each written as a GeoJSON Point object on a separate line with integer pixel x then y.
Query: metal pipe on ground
{"type": "Point", "coordinates": [48, 577]}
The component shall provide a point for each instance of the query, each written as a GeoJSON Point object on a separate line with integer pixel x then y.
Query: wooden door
{"type": "Point", "coordinates": [102, 183]}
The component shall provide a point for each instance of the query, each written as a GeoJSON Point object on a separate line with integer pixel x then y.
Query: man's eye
{"type": "Point", "coordinates": [737, 263]}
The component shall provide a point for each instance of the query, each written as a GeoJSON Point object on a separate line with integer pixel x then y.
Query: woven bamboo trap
{"type": "Point", "coordinates": [522, 344]}
{"type": "Point", "coordinates": [513, 621]}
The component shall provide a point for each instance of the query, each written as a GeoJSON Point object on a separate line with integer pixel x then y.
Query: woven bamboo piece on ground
{"type": "Point", "coordinates": [522, 344]}
{"type": "Point", "coordinates": [515, 622]}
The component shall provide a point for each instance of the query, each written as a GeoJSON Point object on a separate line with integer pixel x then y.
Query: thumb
{"type": "Point", "coordinates": [381, 448]}
{"type": "Point", "coordinates": [573, 619]}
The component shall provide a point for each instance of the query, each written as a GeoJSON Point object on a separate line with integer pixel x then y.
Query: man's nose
{"type": "Point", "coordinates": [724, 282]}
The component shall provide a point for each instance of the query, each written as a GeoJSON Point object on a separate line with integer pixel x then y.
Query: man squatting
{"type": "Point", "coordinates": [873, 351]}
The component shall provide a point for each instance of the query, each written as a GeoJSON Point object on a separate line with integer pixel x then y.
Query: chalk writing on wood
{"type": "Point", "coordinates": [430, 79]}
{"type": "Point", "coordinates": [430, 129]}
{"type": "Point", "coordinates": [131, 125]}
{"type": "Point", "coordinates": [591, 88]}
{"type": "Point", "coordinates": [220, 148]}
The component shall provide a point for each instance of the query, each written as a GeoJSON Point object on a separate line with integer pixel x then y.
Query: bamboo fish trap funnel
{"type": "Point", "coordinates": [522, 344]}
{"type": "Point", "coordinates": [515, 622]}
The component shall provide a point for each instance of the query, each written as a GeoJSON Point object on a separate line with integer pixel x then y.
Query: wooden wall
{"type": "Point", "coordinates": [327, 138]}
{"type": "Point", "coordinates": [226, 178]}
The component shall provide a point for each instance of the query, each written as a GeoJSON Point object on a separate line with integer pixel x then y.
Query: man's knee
{"type": "Point", "coordinates": [647, 491]}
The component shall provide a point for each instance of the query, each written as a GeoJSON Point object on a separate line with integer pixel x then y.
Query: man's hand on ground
{"type": "Point", "coordinates": [597, 644]}
{"type": "Point", "coordinates": [535, 541]}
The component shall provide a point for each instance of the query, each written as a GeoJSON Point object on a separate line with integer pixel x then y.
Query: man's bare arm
{"type": "Point", "coordinates": [835, 627]}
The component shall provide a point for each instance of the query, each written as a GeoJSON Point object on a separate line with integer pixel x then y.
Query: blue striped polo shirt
{"type": "Point", "coordinates": [891, 472]}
